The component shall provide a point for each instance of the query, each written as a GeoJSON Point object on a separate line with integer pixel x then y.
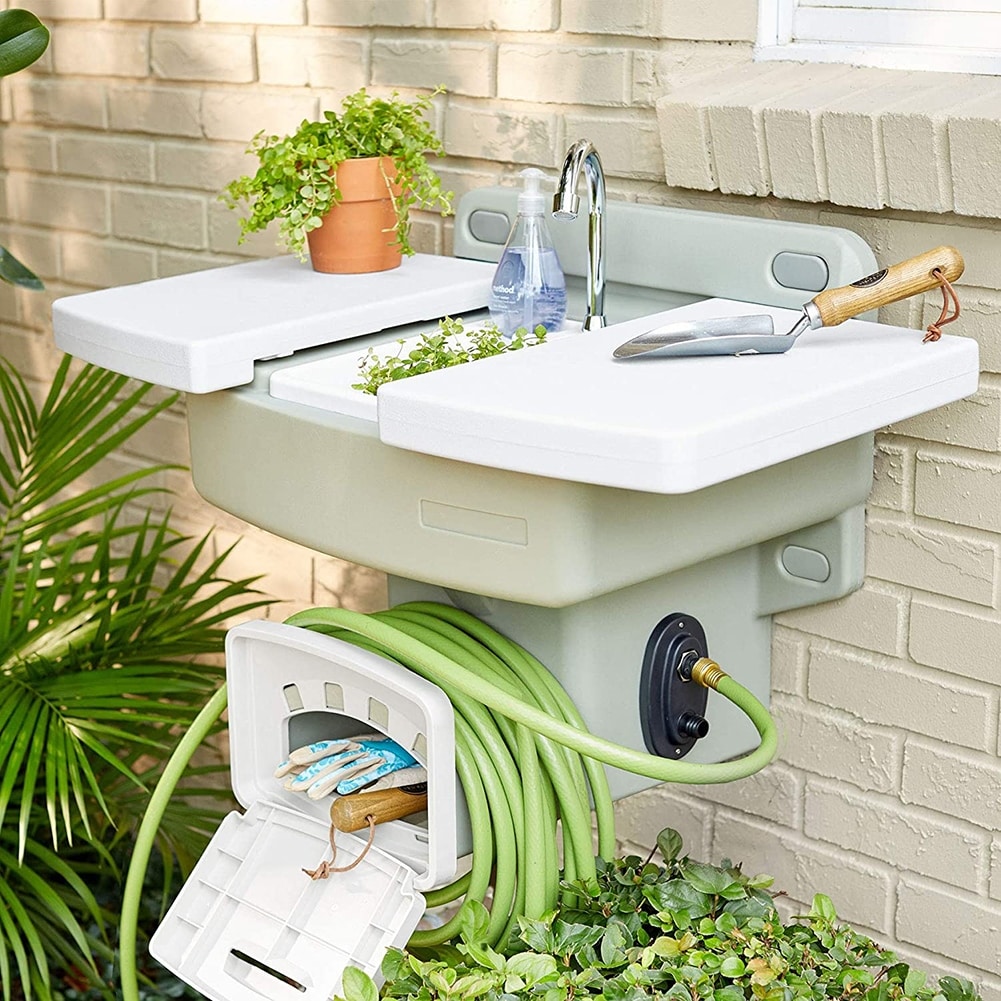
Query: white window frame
{"type": "Point", "coordinates": [891, 34]}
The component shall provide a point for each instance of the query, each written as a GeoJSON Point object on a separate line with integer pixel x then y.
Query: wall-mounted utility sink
{"type": "Point", "coordinates": [570, 500]}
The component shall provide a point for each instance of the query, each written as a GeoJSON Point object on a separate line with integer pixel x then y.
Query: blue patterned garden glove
{"type": "Point", "coordinates": [355, 763]}
{"type": "Point", "coordinates": [301, 757]}
{"type": "Point", "coordinates": [319, 778]}
{"type": "Point", "coordinates": [387, 757]}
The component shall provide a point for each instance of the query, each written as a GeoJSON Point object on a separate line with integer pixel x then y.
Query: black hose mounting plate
{"type": "Point", "coordinates": [672, 709]}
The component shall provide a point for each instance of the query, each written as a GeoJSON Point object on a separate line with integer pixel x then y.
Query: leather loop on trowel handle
{"type": "Point", "coordinates": [889, 285]}
{"type": "Point", "coordinates": [351, 813]}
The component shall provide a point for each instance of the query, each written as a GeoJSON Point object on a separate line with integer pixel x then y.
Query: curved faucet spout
{"type": "Point", "coordinates": [566, 204]}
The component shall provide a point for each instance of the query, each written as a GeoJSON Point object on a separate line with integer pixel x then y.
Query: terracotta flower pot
{"type": "Point", "coordinates": [359, 233]}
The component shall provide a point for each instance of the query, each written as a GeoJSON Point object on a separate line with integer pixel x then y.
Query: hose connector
{"type": "Point", "coordinates": [708, 673]}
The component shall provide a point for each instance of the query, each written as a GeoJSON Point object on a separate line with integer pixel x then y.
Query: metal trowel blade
{"type": "Point", "coordinates": [728, 335]}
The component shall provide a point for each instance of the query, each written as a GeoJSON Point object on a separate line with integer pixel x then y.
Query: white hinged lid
{"type": "Point", "coordinates": [203, 331]}
{"type": "Point", "coordinates": [249, 922]}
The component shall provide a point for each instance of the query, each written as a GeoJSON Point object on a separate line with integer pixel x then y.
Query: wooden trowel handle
{"type": "Point", "coordinates": [889, 285]}
{"type": "Point", "coordinates": [351, 813]}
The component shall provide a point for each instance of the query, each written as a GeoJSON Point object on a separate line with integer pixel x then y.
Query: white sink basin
{"type": "Point", "coordinates": [570, 500]}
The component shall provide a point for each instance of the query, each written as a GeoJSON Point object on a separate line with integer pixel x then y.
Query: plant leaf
{"type": "Point", "coordinates": [358, 985]}
{"type": "Point", "coordinates": [678, 895]}
{"type": "Point", "coordinates": [823, 908]}
{"type": "Point", "coordinates": [13, 272]}
{"type": "Point", "coordinates": [23, 39]}
{"type": "Point", "coordinates": [670, 843]}
{"type": "Point", "coordinates": [706, 878]}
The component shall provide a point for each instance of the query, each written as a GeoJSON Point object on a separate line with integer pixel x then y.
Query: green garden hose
{"type": "Point", "coordinates": [523, 754]}
{"type": "Point", "coordinates": [146, 836]}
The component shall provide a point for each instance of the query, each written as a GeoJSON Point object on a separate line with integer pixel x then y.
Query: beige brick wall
{"type": "Point", "coordinates": [887, 793]}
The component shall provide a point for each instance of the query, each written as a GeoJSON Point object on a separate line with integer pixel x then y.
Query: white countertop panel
{"type": "Point", "coordinates": [203, 331]}
{"type": "Point", "coordinates": [567, 410]}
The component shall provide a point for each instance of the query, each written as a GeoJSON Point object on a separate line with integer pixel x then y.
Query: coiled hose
{"type": "Point", "coordinates": [523, 754]}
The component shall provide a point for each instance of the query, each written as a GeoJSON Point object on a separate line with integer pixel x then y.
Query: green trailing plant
{"type": "Point", "coordinates": [683, 930]}
{"type": "Point", "coordinates": [23, 39]}
{"type": "Point", "coordinates": [296, 182]}
{"type": "Point", "coordinates": [451, 344]}
{"type": "Point", "coordinates": [103, 610]}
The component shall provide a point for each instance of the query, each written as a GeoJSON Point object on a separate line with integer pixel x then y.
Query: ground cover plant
{"type": "Point", "coordinates": [680, 930]}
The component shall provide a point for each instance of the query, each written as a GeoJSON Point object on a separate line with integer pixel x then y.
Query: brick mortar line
{"type": "Point", "coordinates": [904, 623]}
{"type": "Point", "coordinates": [890, 907]}
{"type": "Point", "coordinates": [559, 36]}
{"type": "Point", "coordinates": [487, 103]}
{"type": "Point", "coordinates": [969, 757]}
{"type": "Point", "coordinates": [959, 533]}
{"type": "Point", "coordinates": [954, 453]}
{"type": "Point", "coordinates": [891, 517]}
{"type": "Point", "coordinates": [988, 760]}
{"type": "Point", "coordinates": [891, 214]}
{"type": "Point", "coordinates": [956, 892]}
{"type": "Point", "coordinates": [958, 455]}
{"type": "Point", "coordinates": [799, 701]}
{"type": "Point", "coordinates": [541, 39]}
{"type": "Point", "coordinates": [935, 524]}
{"type": "Point", "coordinates": [990, 380]}
{"type": "Point", "coordinates": [904, 666]}
{"type": "Point", "coordinates": [703, 795]}
{"type": "Point", "coordinates": [961, 608]}
{"type": "Point", "coordinates": [512, 104]}
{"type": "Point", "coordinates": [933, 959]}
{"type": "Point", "coordinates": [923, 593]}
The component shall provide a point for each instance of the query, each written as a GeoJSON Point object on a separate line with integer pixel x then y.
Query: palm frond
{"type": "Point", "coordinates": [101, 618]}
{"type": "Point", "coordinates": [82, 420]}
{"type": "Point", "coordinates": [42, 903]}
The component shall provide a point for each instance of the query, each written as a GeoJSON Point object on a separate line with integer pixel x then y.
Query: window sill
{"type": "Point", "coordinates": [892, 57]}
{"type": "Point", "coordinates": [866, 138]}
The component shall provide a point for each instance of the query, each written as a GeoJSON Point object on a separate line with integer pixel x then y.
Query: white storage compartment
{"type": "Point", "coordinates": [249, 923]}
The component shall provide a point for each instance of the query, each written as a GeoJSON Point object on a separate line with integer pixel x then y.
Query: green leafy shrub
{"type": "Point", "coordinates": [683, 930]}
{"type": "Point", "coordinates": [296, 182]}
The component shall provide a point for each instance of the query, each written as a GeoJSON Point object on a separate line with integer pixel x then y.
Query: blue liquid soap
{"type": "Point", "coordinates": [529, 287]}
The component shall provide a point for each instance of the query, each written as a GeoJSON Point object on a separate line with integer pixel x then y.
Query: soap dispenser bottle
{"type": "Point", "coordinates": [529, 288]}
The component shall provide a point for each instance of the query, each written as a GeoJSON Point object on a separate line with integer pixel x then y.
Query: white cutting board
{"type": "Point", "coordinates": [328, 384]}
{"type": "Point", "coordinates": [203, 331]}
{"type": "Point", "coordinates": [672, 425]}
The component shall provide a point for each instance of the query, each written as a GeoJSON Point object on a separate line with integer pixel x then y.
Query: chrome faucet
{"type": "Point", "coordinates": [565, 206]}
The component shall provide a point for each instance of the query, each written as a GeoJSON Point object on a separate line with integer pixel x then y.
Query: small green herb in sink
{"type": "Point", "coordinates": [451, 344]}
{"type": "Point", "coordinates": [684, 931]}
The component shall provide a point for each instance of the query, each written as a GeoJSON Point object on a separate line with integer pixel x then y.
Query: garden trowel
{"type": "Point", "coordinates": [755, 335]}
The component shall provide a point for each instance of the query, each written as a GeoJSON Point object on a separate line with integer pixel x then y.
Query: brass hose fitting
{"type": "Point", "coordinates": [708, 673]}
